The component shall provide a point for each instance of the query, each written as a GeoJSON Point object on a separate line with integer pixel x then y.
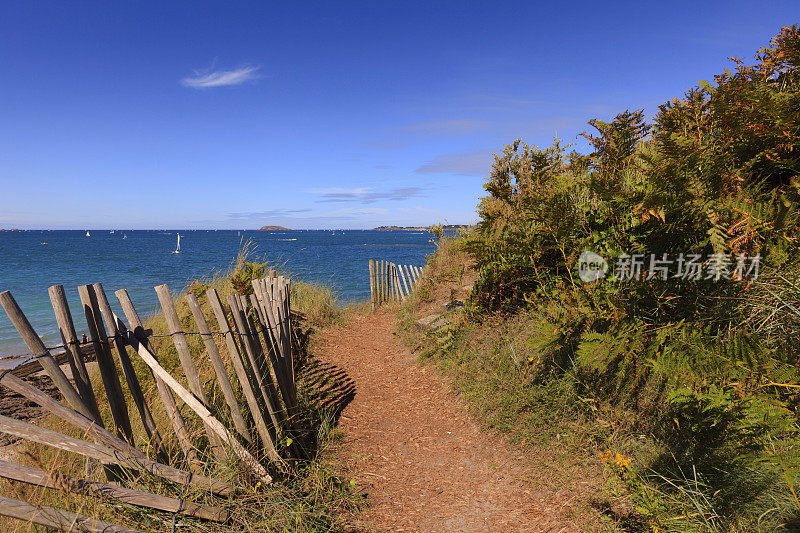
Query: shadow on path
{"type": "Point", "coordinates": [330, 388]}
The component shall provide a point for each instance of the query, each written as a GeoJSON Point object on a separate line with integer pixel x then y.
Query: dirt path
{"type": "Point", "coordinates": [422, 460]}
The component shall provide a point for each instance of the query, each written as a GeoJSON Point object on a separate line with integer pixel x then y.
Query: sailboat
{"type": "Point", "coordinates": [178, 249]}
{"type": "Point", "coordinates": [87, 233]}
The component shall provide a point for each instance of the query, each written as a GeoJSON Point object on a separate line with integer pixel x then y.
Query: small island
{"type": "Point", "coordinates": [273, 228]}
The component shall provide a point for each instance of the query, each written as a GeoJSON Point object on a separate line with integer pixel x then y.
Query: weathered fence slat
{"type": "Point", "coordinates": [372, 283]}
{"type": "Point", "coordinates": [287, 311]}
{"type": "Point", "coordinates": [411, 280]}
{"type": "Point", "coordinates": [284, 325]}
{"type": "Point", "coordinates": [219, 367]}
{"type": "Point", "coordinates": [241, 329]}
{"type": "Point", "coordinates": [35, 476]}
{"type": "Point", "coordinates": [187, 363]}
{"type": "Point", "coordinates": [164, 392]}
{"type": "Point", "coordinates": [269, 332]}
{"type": "Point", "coordinates": [378, 294]}
{"type": "Point", "coordinates": [390, 282]}
{"type": "Point", "coordinates": [202, 411]}
{"type": "Point", "coordinates": [401, 273]}
{"type": "Point", "coordinates": [241, 373]}
{"type": "Point", "coordinates": [56, 518]}
{"type": "Point", "coordinates": [108, 439]}
{"type": "Point", "coordinates": [271, 350]}
{"type": "Point", "coordinates": [398, 294]}
{"type": "Point", "coordinates": [107, 455]}
{"type": "Point", "coordinates": [396, 274]}
{"type": "Point", "coordinates": [38, 349]}
{"type": "Point", "coordinates": [108, 371]}
{"type": "Point", "coordinates": [127, 369]}
{"type": "Point", "coordinates": [80, 376]}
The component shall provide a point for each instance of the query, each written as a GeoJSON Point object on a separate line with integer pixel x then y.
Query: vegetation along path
{"type": "Point", "coordinates": [423, 462]}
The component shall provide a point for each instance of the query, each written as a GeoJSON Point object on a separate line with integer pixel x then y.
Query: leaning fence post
{"type": "Point", "coordinates": [372, 282]}
{"type": "Point", "coordinates": [388, 275]}
{"type": "Point", "coordinates": [395, 282]}
{"type": "Point", "coordinates": [273, 353]}
{"type": "Point", "coordinates": [402, 275]}
{"type": "Point", "coordinates": [379, 281]}
{"type": "Point", "coordinates": [164, 392]}
{"type": "Point", "coordinates": [241, 372]}
{"type": "Point", "coordinates": [127, 369]}
{"type": "Point", "coordinates": [80, 376]}
{"type": "Point", "coordinates": [189, 368]}
{"type": "Point", "coordinates": [202, 411]}
{"type": "Point", "coordinates": [219, 367]}
{"type": "Point", "coordinates": [273, 408]}
{"type": "Point", "coordinates": [388, 278]}
{"type": "Point", "coordinates": [105, 362]}
{"type": "Point", "coordinates": [411, 280]}
{"type": "Point", "coordinates": [38, 349]}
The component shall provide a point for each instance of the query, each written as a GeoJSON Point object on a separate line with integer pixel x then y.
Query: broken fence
{"type": "Point", "coordinates": [391, 282]}
{"type": "Point", "coordinates": [257, 333]}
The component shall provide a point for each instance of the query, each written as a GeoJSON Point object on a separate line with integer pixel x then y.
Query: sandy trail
{"type": "Point", "coordinates": [422, 460]}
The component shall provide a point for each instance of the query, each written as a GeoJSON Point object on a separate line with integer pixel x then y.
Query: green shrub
{"type": "Point", "coordinates": [242, 278]}
{"type": "Point", "coordinates": [710, 364]}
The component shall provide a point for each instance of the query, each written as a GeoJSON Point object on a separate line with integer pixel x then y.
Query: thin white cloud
{"type": "Point", "coordinates": [366, 195]}
{"type": "Point", "coordinates": [462, 164]}
{"type": "Point", "coordinates": [357, 211]}
{"type": "Point", "coordinates": [221, 78]}
{"type": "Point", "coordinates": [340, 190]}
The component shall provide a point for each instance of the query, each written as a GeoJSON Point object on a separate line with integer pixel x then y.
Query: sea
{"type": "Point", "coordinates": [138, 260]}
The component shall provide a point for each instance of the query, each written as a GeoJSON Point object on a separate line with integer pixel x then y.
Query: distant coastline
{"type": "Point", "coordinates": [273, 228]}
{"type": "Point", "coordinates": [417, 228]}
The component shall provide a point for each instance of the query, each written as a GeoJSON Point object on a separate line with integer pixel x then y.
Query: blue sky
{"type": "Point", "coordinates": [322, 115]}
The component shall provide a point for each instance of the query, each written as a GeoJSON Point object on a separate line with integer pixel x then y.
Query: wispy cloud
{"type": "Point", "coordinates": [299, 218]}
{"type": "Point", "coordinates": [462, 164]}
{"type": "Point", "coordinates": [266, 215]}
{"type": "Point", "coordinates": [220, 78]}
{"type": "Point", "coordinates": [357, 212]}
{"type": "Point", "coordinates": [366, 195]}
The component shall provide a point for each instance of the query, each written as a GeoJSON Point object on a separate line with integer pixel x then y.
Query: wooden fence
{"type": "Point", "coordinates": [391, 282]}
{"type": "Point", "coordinates": [257, 332]}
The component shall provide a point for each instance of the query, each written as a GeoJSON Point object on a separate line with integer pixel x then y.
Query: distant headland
{"type": "Point", "coordinates": [417, 228]}
{"type": "Point", "coordinates": [273, 228]}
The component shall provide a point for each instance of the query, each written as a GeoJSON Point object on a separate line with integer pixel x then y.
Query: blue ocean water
{"type": "Point", "coordinates": [144, 259]}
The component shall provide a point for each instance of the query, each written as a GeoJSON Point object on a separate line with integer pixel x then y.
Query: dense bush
{"type": "Point", "coordinates": [716, 178]}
